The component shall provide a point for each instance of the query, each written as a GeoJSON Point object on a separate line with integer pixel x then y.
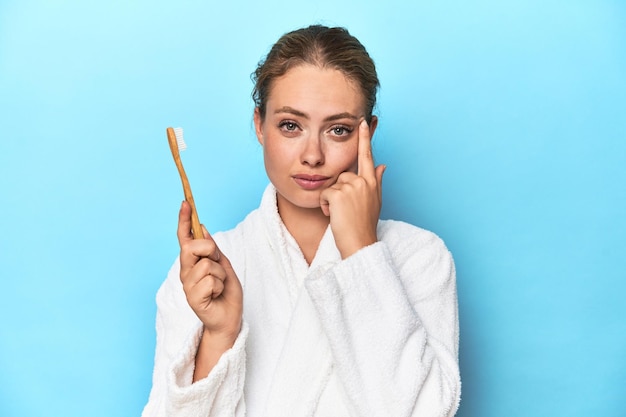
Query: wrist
{"type": "Point", "coordinates": [218, 341]}
{"type": "Point", "coordinates": [211, 348]}
{"type": "Point", "coordinates": [350, 249]}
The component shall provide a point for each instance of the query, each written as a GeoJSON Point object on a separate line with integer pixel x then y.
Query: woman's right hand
{"type": "Point", "coordinates": [212, 289]}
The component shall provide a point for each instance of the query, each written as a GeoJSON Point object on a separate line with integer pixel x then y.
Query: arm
{"type": "Point", "coordinates": [390, 315]}
{"type": "Point", "coordinates": [200, 353]}
{"type": "Point", "coordinates": [212, 290]}
{"type": "Point", "coordinates": [178, 336]}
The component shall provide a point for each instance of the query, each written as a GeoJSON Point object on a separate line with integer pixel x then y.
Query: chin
{"type": "Point", "coordinates": [301, 199]}
{"type": "Point", "coordinates": [308, 202]}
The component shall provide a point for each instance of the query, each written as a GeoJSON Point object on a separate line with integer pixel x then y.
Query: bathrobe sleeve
{"type": "Point", "coordinates": [390, 314]}
{"type": "Point", "coordinates": [178, 335]}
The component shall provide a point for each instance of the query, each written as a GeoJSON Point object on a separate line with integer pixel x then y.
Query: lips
{"type": "Point", "coordinates": [310, 182]}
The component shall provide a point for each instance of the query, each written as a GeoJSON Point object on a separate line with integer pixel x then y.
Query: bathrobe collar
{"type": "Point", "coordinates": [305, 363]}
{"type": "Point", "coordinates": [286, 248]}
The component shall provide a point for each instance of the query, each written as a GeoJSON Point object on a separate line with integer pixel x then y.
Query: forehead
{"type": "Point", "coordinates": [316, 90]}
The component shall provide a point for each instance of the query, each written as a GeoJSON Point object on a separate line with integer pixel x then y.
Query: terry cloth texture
{"type": "Point", "coordinates": [375, 334]}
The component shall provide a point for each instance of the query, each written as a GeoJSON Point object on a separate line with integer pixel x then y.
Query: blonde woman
{"type": "Point", "coordinates": [311, 306]}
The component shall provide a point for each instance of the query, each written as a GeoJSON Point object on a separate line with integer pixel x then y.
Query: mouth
{"type": "Point", "coordinates": [310, 182]}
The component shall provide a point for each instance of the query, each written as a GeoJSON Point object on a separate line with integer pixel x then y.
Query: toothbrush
{"type": "Point", "coordinates": [176, 141]}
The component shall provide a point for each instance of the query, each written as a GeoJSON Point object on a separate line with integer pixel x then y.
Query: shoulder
{"type": "Point", "coordinates": [417, 250]}
{"type": "Point", "coordinates": [403, 236]}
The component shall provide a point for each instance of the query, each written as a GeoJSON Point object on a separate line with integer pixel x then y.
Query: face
{"type": "Point", "coordinates": [309, 133]}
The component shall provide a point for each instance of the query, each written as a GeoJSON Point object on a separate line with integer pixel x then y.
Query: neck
{"type": "Point", "coordinates": [306, 225]}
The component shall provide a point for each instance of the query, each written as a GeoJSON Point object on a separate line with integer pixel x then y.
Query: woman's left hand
{"type": "Point", "coordinates": [354, 201]}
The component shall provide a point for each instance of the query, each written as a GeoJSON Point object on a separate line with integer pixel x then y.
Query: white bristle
{"type": "Point", "coordinates": [178, 132]}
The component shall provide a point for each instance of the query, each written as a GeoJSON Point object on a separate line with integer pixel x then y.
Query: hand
{"type": "Point", "coordinates": [211, 286]}
{"type": "Point", "coordinates": [354, 201]}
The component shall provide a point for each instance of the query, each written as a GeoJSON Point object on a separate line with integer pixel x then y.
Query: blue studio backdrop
{"type": "Point", "coordinates": [502, 124]}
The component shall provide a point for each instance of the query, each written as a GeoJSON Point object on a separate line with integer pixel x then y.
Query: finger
{"type": "Point", "coordinates": [208, 286]}
{"type": "Point", "coordinates": [184, 224]}
{"type": "Point", "coordinates": [345, 177]}
{"type": "Point", "coordinates": [203, 268]}
{"type": "Point", "coordinates": [325, 208]}
{"type": "Point", "coordinates": [216, 254]}
{"type": "Point", "coordinates": [365, 167]}
{"type": "Point", "coordinates": [324, 201]}
{"type": "Point", "coordinates": [380, 170]}
{"type": "Point", "coordinates": [193, 251]}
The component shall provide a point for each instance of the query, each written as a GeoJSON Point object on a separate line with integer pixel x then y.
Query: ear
{"type": "Point", "coordinates": [258, 125]}
{"type": "Point", "coordinates": [373, 125]}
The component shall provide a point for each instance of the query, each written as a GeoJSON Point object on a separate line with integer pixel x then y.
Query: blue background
{"type": "Point", "coordinates": [502, 125]}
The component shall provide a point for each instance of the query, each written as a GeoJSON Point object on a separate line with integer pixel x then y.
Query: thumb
{"type": "Point", "coordinates": [205, 232]}
{"type": "Point", "coordinates": [380, 170]}
{"type": "Point", "coordinates": [217, 254]}
{"type": "Point", "coordinates": [325, 208]}
{"type": "Point", "coordinates": [324, 203]}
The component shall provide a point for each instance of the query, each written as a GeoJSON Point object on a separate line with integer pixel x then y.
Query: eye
{"type": "Point", "coordinates": [288, 126]}
{"type": "Point", "coordinates": [340, 131]}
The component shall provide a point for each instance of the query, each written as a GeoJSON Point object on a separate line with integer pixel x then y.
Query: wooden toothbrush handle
{"type": "Point", "coordinates": [196, 229]}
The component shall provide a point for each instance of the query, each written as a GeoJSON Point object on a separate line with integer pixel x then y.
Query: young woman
{"type": "Point", "coordinates": [311, 306]}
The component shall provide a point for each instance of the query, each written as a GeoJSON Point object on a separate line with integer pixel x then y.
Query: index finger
{"type": "Point", "coordinates": [185, 229]}
{"type": "Point", "coordinates": [365, 167]}
{"type": "Point", "coordinates": [184, 232]}
{"type": "Point", "coordinates": [206, 248]}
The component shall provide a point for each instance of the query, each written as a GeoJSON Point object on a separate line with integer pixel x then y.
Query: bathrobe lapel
{"type": "Point", "coordinates": [305, 361]}
{"type": "Point", "coordinates": [304, 365]}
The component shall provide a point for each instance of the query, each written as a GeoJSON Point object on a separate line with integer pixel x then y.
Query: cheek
{"type": "Point", "coordinates": [344, 155]}
{"type": "Point", "coordinates": [274, 154]}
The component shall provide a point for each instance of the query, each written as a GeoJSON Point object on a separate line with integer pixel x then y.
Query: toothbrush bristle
{"type": "Point", "coordinates": [178, 132]}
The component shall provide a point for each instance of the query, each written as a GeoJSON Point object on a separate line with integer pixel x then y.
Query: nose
{"type": "Point", "coordinates": [312, 152]}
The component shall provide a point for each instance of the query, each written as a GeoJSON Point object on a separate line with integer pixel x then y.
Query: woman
{"type": "Point", "coordinates": [311, 306]}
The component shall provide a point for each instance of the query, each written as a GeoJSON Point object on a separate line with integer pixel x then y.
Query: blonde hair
{"type": "Point", "coordinates": [321, 46]}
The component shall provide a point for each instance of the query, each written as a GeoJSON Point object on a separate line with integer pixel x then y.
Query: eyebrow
{"type": "Point", "coordinates": [291, 110]}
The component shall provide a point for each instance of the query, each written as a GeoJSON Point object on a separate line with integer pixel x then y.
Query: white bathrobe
{"type": "Point", "coordinates": [375, 334]}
